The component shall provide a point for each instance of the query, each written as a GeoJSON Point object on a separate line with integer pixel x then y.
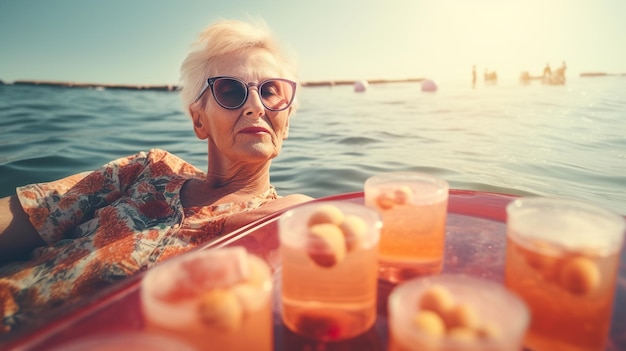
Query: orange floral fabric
{"type": "Point", "coordinates": [104, 226]}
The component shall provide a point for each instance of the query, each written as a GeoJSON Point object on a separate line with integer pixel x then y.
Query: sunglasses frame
{"type": "Point", "coordinates": [209, 83]}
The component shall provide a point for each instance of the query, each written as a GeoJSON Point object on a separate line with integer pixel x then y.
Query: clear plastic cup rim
{"type": "Point", "coordinates": [293, 232]}
{"type": "Point", "coordinates": [125, 341]}
{"type": "Point", "coordinates": [569, 223]}
{"type": "Point", "coordinates": [495, 297]}
{"type": "Point", "coordinates": [440, 186]}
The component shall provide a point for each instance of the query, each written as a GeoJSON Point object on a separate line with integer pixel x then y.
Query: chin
{"type": "Point", "coordinates": [261, 153]}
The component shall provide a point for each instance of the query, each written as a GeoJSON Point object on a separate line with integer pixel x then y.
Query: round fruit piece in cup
{"type": "Point", "coordinates": [332, 235]}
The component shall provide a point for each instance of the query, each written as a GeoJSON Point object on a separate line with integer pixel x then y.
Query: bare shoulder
{"type": "Point", "coordinates": [237, 220]}
{"type": "Point", "coordinates": [284, 202]}
{"type": "Point", "coordinates": [293, 199]}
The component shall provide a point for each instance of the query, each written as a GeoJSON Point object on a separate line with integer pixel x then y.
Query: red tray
{"type": "Point", "coordinates": [475, 245]}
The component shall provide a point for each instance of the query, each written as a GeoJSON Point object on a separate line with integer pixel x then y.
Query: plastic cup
{"type": "Point", "coordinates": [329, 255]}
{"type": "Point", "coordinates": [414, 208]}
{"type": "Point", "coordinates": [562, 259]}
{"type": "Point", "coordinates": [217, 299]}
{"type": "Point", "coordinates": [455, 312]}
{"type": "Point", "coordinates": [125, 341]}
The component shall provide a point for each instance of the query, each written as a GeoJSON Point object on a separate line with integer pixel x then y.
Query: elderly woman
{"type": "Point", "coordinates": [68, 238]}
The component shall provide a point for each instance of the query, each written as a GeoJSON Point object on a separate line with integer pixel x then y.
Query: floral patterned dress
{"type": "Point", "coordinates": [104, 226]}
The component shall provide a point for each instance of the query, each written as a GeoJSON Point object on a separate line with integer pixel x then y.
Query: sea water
{"type": "Point", "coordinates": [511, 138]}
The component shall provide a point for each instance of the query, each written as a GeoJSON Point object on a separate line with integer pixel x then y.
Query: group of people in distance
{"type": "Point", "coordinates": [556, 77]}
{"type": "Point", "coordinates": [489, 77]}
{"type": "Point", "coordinates": [548, 77]}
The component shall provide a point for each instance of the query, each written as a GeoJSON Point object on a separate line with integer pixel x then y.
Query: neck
{"type": "Point", "coordinates": [217, 189]}
{"type": "Point", "coordinates": [239, 177]}
{"type": "Point", "coordinates": [241, 181]}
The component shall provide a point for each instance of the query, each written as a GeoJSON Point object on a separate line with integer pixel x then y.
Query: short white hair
{"type": "Point", "coordinates": [225, 37]}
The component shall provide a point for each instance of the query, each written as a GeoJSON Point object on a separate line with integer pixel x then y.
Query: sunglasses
{"type": "Point", "coordinates": [231, 93]}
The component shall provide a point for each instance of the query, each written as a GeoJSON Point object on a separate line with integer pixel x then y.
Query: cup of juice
{"type": "Point", "coordinates": [413, 207]}
{"type": "Point", "coordinates": [216, 299]}
{"type": "Point", "coordinates": [562, 259]}
{"type": "Point", "coordinates": [455, 312]}
{"type": "Point", "coordinates": [329, 254]}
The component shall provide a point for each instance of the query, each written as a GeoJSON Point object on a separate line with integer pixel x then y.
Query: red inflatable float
{"type": "Point", "coordinates": [475, 245]}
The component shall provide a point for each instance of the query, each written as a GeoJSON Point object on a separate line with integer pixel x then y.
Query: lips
{"type": "Point", "coordinates": [254, 130]}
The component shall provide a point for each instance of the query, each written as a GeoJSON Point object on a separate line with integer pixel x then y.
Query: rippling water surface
{"type": "Point", "coordinates": [521, 139]}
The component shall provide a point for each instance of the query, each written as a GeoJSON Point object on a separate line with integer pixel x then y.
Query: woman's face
{"type": "Point", "coordinates": [250, 133]}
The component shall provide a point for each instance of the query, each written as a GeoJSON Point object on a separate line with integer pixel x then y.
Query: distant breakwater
{"type": "Point", "coordinates": [164, 87]}
{"type": "Point", "coordinates": [172, 87]}
{"type": "Point", "coordinates": [351, 82]}
{"type": "Point", "coordinates": [600, 74]}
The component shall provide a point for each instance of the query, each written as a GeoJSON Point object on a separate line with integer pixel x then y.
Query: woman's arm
{"type": "Point", "coordinates": [17, 234]}
{"type": "Point", "coordinates": [67, 202]}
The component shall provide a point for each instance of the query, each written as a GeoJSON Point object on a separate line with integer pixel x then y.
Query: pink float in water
{"type": "Point", "coordinates": [360, 86]}
{"type": "Point", "coordinates": [429, 85]}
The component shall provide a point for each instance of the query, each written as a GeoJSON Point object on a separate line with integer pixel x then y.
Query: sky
{"type": "Point", "coordinates": [144, 41]}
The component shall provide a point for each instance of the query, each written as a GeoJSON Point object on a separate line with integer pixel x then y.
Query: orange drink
{"type": "Point", "coordinates": [562, 259]}
{"type": "Point", "coordinates": [329, 255]}
{"type": "Point", "coordinates": [413, 208]}
{"type": "Point", "coordinates": [451, 312]}
{"type": "Point", "coordinates": [217, 299]}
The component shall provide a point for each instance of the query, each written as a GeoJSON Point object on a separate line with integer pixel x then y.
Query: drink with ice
{"type": "Point", "coordinates": [218, 299]}
{"type": "Point", "coordinates": [562, 259]}
{"type": "Point", "coordinates": [329, 269]}
{"type": "Point", "coordinates": [413, 207]}
{"type": "Point", "coordinates": [455, 313]}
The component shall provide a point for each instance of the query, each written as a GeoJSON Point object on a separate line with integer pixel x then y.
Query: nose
{"type": "Point", "coordinates": [253, 106]}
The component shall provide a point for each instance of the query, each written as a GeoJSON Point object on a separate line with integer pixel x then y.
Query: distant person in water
{"type": "Point", "coordinates": [559, 74]}
{"type": "Point", "coordinates": [547, 72]}
{"type": "Point", "coordinates": [71, 237]}
{"type": "Point", "coordinates": [474, 76]}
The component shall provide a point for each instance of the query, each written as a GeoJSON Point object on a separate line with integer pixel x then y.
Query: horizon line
{"type": "Point", "coordinates": [173, 87]}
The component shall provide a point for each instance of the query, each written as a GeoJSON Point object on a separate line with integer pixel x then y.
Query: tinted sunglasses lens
{"type": "Point", "coordinates": [229, 93]}
{"type": "Point", "coordinates": [276, 94]}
